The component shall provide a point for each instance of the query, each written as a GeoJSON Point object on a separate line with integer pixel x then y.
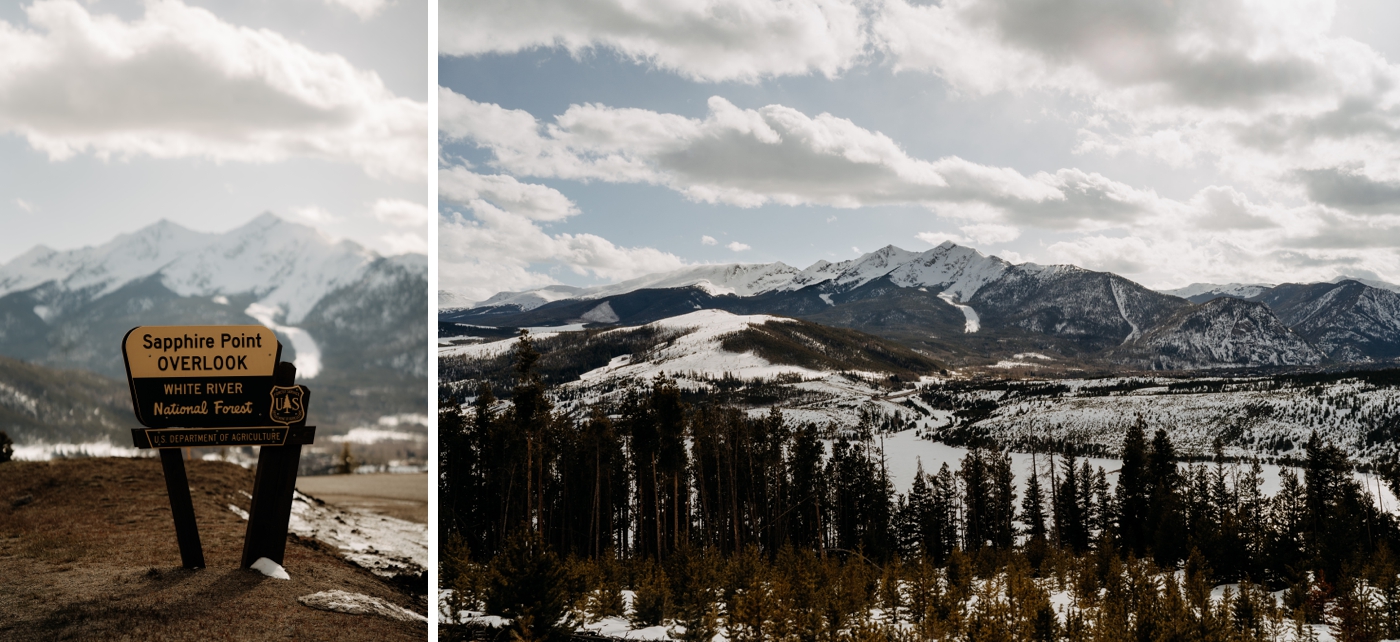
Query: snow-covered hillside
{"type": "Point", "coordinates": [1221, 333]}
{"type": "Point", "coordinates": [698, 351]}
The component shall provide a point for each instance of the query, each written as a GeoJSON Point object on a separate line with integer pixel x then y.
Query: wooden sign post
{"type": "Point", "coordinates": [207, 386]}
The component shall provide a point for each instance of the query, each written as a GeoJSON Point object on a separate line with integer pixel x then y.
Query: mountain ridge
{"type": "Point", "coordinates": [959, 304]}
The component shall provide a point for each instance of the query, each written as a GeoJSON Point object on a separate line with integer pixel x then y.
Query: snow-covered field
{"type": "Point", "coordinates": [383, 545]}
{"type": "Point", "coordinates": [698, 351]}
{"type": "Point", "coordinates": [905, 451]}
{"type": "Point", "coordinates": [1265, 420]}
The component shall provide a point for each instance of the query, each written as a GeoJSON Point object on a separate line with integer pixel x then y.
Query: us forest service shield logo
{"type": "Point", "coordinates": [287, 405]}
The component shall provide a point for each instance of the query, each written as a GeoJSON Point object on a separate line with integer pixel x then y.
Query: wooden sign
{"type": "Point", "coordinates": [199, 386]}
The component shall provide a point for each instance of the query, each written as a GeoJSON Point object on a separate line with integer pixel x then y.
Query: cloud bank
{"type": "Point", "coordinates": [179, 82]}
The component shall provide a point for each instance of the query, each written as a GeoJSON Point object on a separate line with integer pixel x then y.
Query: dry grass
{"type": "Point", "coordinates": [87, 551]}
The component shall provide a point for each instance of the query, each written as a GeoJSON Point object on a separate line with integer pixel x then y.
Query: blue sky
{"type": "Point", "coordinates": [592, 141]}
{"type": "Point", "coordinates": [115, 114]}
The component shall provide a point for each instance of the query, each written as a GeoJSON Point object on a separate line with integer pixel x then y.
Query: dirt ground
{"type": "Point", "coordinates": [88, 551]}
{"type": "Point", "coordinates": [403, 496]}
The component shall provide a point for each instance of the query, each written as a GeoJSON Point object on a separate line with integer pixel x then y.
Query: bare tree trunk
{"type": "Point", "coordinates": [529, 473]}
{"type": "Point", "coordinates": [656, 506]}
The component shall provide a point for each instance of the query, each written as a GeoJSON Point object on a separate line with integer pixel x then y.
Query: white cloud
{"type": "Point", "coordinates": [537, 202]}
{"type": "Point", "coordinates": [24, 205]}
{"type": "Point", "coordinates": [989, 233]}
{"type": "Point", "coordinates": [707, 40]}
{"type": "Point", "coordinates": [1258, 88]}
{"type": "Point", "coordinates": [738, 247]}
{"type": "Point", "coordinates": [401, 213]}
{"type": "Point", "coordinates": [405, 243]}
{"type": "Point", "coordinates": [1012, 256]}
{"type": "Point", "coordinates": [312, 214]}
{"type": "Point", "coordinates": [707, 240]}
{"type": "Point", "coordinates": [496, 244]}
{"type": "Point", "coordinates": [365, 9]}
{"type": "Point", "coordinates": [776, 154]}
{"type": "Point", "coordinates": [976, 235]}
{"type": "Point", "coordinates": [180, 82]}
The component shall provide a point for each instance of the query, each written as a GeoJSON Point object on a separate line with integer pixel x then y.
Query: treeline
{"type": "Point", "coordinates": [655, 482]}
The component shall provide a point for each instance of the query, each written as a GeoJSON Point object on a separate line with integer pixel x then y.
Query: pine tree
{"type": "Point", "coordinates": [978, 524]}
{"type": "Point", "coordinates": [807, 489]}
{"type": "Point", "coordinates": [943, 519]}
{"type": "Point", "coordinates": [1033, 506]}
{"type": "Point", "coordinates": [1132, 493]}
{"type": "Point", "coordinates": [530, 584]}
{"type": "Point", "coordinates": [1002, 506]}
{"type": "Point", "coordinates": [916, 516]}
{"type": "Point", "coordinates": [1164, 510]}
{"type": "Point", "coordinates": [1069, 513]}
{"type": "Point", "coordinates": [651, 601]}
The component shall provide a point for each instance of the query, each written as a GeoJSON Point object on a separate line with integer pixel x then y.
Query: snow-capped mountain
{"type": "Point", "coordinates": [1202, 292]}
{"type": "Point", "coordinates": [285, 265]}
{"type": "Point", "coordinates": [960, 270]}
{"type": "Point", "coordinates": [956, 304]}
{"type": "Point", "coordinates": [345, 315]}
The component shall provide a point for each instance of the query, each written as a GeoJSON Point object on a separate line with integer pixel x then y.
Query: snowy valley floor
{"type": "Point", "coordinates": [88, 551]}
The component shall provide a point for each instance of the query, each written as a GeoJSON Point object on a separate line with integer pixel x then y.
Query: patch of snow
{"type": "Point", "coordinates": [972, 322]}
{"type": "Point", "coordinates": [601, 314]}
{"type": "Point", "coordinates": [16, 399]}
{"type": "Point", "coordinates": [402, 419]}
{"type": "Point", "coordinates": [44, 452]}
{"type": "Point", "coordinates": [220, 299]}
{"type": "Point", "coordinates": [1032, 355]}
{"type": "Point", "coordinates": [827, 298]}
{"type": "Point", "coordinates": [358, 604]}
{"type": "Point", "coordinates": [308, 354]}
{"type": "Point", "coordinates": [384, 545]}
{"type": "Point", "coordinates": [374, 436]}
{"type": "Point", "coordinates": [554, 329]}
{"type": "Point", "coordinates": [270, 568]}
{"type": "Point", "coordinates": [1122, 311]}
{"type": "Point", "coordinates": [1015, 364]}
{"type": "Point", "coordinates": [711, 289]}
{"type": "Point", "coordinates": [698, 351]}
{"type": "Point", "coordinates": [487, 349]}
{"type": "Point", "coordinates": [44, 312]}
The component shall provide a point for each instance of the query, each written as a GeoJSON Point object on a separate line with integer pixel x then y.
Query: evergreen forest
{"type": "Point", "coordinates": [713, 522]}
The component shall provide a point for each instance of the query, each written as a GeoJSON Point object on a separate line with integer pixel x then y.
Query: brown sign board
{"type": "Point", "coordinates": [202, 376]}
{"type": "Point", "coordinates": [208, 386]}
